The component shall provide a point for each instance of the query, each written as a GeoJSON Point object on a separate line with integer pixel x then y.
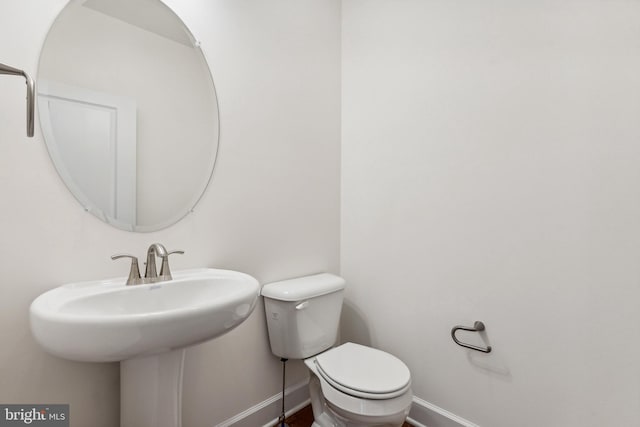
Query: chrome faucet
{"type": "Point", "coordinates": [151, 273]}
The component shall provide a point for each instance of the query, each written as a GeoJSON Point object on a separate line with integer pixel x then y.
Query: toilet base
{"type": "Point", "coordinates": [327, 415]}
{"type": "Point", "coordinates": [336, 420]}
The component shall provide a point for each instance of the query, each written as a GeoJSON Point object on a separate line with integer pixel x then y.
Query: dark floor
{"type": "Point", "coordinates": [304, 418]}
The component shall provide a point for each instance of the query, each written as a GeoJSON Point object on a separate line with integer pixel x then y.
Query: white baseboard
{"type": "Point", "coordinates": [266, 413]}
{"type": "Point", "coordinates": [425, 414]}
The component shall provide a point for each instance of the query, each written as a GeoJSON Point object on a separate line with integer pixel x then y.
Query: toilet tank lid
{"type": "Point", "coordinates": [303, 287]}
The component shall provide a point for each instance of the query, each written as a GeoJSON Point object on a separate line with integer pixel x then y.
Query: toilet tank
{"type": "Point", "coordinates": [303, 314]}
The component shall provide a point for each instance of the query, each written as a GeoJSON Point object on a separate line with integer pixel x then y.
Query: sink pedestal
{"type": "Point", "coordinates": [151, 390]}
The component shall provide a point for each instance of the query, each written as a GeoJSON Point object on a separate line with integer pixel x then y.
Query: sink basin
{"type": "Point", "coordinates": [106, 321]}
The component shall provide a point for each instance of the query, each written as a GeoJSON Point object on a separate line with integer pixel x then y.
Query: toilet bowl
{"type": "Point", "coordinates": [354, 385]}
{"type": "Point", "coordinates": [351, 385]}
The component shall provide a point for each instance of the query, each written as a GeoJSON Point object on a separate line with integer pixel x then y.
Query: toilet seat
{"type": "Point", "coordinates": [364, 372]}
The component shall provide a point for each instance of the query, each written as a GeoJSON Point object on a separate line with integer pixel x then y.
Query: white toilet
{"type": "Point", "coordinates": [351, 385]}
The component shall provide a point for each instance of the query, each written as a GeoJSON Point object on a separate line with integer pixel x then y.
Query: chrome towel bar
{"type": "Point", "coordinates": [477, 327]}
{"type": "Point", "coordinates": [5, 69]}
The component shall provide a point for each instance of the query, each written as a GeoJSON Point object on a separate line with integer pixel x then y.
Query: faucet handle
{"type": "Point", "coordinates": [134, 273]}
{"type": "Point", "coordinates": [165, 271]}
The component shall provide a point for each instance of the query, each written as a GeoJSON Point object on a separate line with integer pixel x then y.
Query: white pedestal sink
{"type": "Point", "coordinates": [146, 328]}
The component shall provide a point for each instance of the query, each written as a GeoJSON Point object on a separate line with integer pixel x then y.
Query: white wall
{"type": "Point", "coordinates": [490, 172]}
{"type": "Point", "coordinates": [272, 209]}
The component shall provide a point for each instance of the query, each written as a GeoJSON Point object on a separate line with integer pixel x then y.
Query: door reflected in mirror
{"type": "Point", "coordinates": [128, 111]}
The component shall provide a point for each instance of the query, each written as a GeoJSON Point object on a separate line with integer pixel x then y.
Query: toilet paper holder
{"type": "Point", "coordinates": [478, 326]}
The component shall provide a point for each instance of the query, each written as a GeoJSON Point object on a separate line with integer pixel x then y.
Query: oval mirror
{"type": "Point", "coordinates": [128, 111]}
